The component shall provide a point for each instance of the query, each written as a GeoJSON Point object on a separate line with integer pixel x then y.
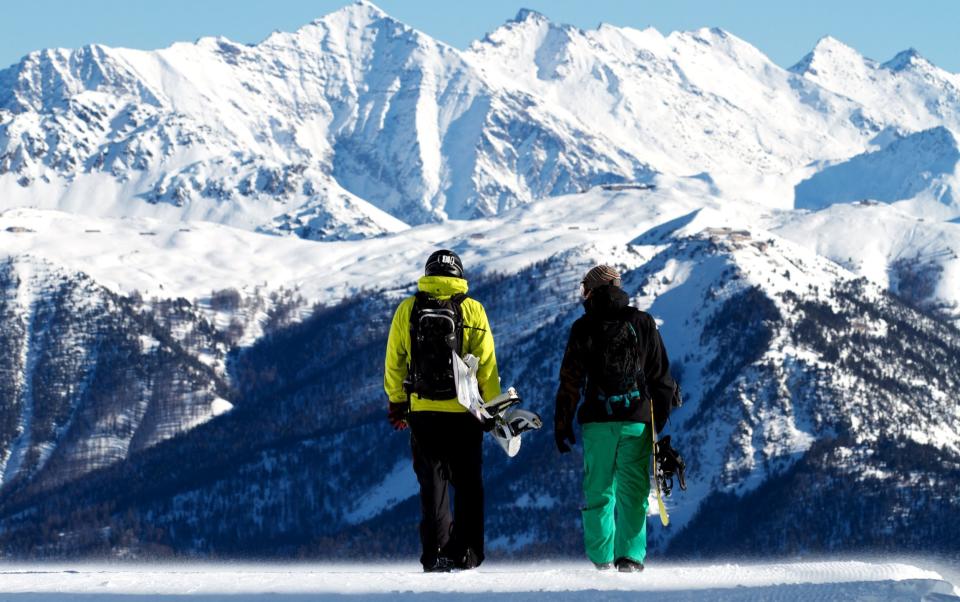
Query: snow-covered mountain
{"type": "Point", "coordinates": [788, 360]}
{"type": "Point", "coordinates": [299, 133]}
{"type": "Point", "coordinates": [906, 93]}
{"type": "Point", "coordinates": [358, 125]}
{"type": "Point", "coordinates": [89, 377]}
{"type": "Point", "coordinates": [689, 102]}
{"type": "Point", "coordinates": [914, 258]}
{"type": "Point", "coordinates": [202, 246]}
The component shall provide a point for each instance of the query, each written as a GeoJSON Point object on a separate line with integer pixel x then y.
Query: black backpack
{"type": "Point", "coordinates": [615, 366]}
{"type": "Point", "coordinates": [436, 328]}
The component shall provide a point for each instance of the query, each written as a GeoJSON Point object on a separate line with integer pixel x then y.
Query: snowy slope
{"type": "Point", "coordinates": [915, 258]}
{"type": "Point", "coordinates": [135, 254]}
{"type": "Point", "coordinates": [687, 102]}
{"type": "Point", "coordinates": [924, 163]}
{"type": "Point", "coordinates": [797, 581]}
{"type": "Point", "coordinates": [138, 254]}
{"type": "Point", "coordinates": [906, 93]}
{"type": "Point", "coordinates": [88, 378]}
{"type": "Point", "coordinates": [254, 135]}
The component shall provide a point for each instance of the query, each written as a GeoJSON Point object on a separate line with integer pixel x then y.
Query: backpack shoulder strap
{"type": "Point", "coordinates": [418, 300]}
{"type": "Point", "coordinates": [634, 319]}
{"type": "Point", "coordinates": [421, 297]}
{"type": "Point", "coordinates": [457, 302]}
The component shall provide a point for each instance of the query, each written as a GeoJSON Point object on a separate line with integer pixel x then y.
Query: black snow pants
{"type": "Point", "coordinates": [447, 450]}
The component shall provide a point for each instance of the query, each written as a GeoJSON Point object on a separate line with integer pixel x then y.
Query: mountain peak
{"type": "Point", "coordinates": [367, 7]}
{"type": "Point", "coordinates": [905, 60]}
{"type": "Point", "coordinates": [829, 43]}
{"type": "Point", "coordinates": [521, 27]}
{"type": "Point", "coordinates": [528, 14]}
{"type": "Point", "coordinates": [828, 50]}
{"type": "Point", "coordinates": [708, 35]}
{"type": "Point", "coordinates": [831, 46]}
{"type": "Point", "coordinates": [717, 32]}
{"type": "Point", "coordinates": [359, 12]}
{"type": "Point", "coordinates": [357, 16]}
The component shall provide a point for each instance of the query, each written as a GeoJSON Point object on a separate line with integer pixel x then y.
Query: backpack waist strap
{"type": "Point", "coordinates": [624, 398]}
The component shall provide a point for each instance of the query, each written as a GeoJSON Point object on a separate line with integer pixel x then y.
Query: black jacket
{"type": "Point", "coordinates": [604, 304]}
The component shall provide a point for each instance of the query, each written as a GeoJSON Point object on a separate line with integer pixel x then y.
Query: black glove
{"type": "Point", "coordinates": [671, 465]}
{"type": "Point", "coordinates": [397, 414]}
{"type": "Point", "coordinates": [487, 424]}
{"type": "Point", "coordinates": [677, 400]}
{"type": "Point", "coordinates": [563, 432]}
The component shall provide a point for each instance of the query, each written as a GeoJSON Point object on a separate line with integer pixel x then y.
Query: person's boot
{"type": "Point", "coordinates": [442, 564]}
{"type": "Point", "coordinates": [470, 560]}
{"type": "Point", "coordinates": [627, 565]}
{"type": "Point", "coordinates": [603, 566]}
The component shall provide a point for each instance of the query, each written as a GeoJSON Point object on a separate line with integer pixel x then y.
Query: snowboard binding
{"type": "Point", "coordinates": [509, 422]}
{"type": "Point", "coordinates": [516, 421]}
{"type": "Point", "coordinates": [500, 404]}
{"type": "Point", "coordinates": [499, 416]}
{"type": "Point", "coordinates": [669, 465]}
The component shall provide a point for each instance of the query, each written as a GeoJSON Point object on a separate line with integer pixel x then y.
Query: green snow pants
{"type": "Point", "coordinates": [616, 483]}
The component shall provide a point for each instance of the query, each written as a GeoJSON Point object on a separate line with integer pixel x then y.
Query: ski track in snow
{"type": "Point", "coordinates": [846, 580]}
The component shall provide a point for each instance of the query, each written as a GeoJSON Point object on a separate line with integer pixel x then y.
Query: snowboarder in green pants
{"type": "Point", "coordinates": [615, 360]}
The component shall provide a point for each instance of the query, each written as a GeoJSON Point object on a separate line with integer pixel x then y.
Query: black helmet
{"type": "Point", "coordinates": [444, 263]}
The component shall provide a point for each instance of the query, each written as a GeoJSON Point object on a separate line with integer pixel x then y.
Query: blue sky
{"type": "Point", "coordinates": [783, 30]}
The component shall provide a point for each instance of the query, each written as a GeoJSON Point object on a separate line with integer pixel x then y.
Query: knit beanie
{"type": "Point", "coordinates": [599, 276]}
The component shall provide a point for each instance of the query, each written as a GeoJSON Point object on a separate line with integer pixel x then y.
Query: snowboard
{"type": "Point", "coordinates": [509, 421]}
{"type": "Point", "coordinates": [657, 470]}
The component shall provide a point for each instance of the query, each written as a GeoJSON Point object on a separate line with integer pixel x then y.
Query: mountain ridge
{"type": "Point", "coordinates": [303, 119]}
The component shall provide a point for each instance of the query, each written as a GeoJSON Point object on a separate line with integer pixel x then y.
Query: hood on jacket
{"type": "Point", "coordinates": [442, 287]}
{"type": "Point", "coordinates": [606, 301]}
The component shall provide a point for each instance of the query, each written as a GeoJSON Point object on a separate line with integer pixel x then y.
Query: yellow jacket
{"type": "Point", "coordinates": [477, 340]}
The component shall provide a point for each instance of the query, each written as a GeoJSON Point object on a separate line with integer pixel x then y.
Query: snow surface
{"type": "Point", "coordinates": [171, 260]}
{"type": "Point", "coordinates": [871, 239]}
{"type": "Point", "coordinates": [836, 580]}
{"type": "Point", "coordinates": [906, 168]}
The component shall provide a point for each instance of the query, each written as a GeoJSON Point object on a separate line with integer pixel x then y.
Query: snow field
{"type": "Point", "coordinates": [563, 580]}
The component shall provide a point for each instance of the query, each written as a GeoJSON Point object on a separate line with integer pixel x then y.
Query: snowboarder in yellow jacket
{"type": "Point", "coordinates": [446, 441]}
